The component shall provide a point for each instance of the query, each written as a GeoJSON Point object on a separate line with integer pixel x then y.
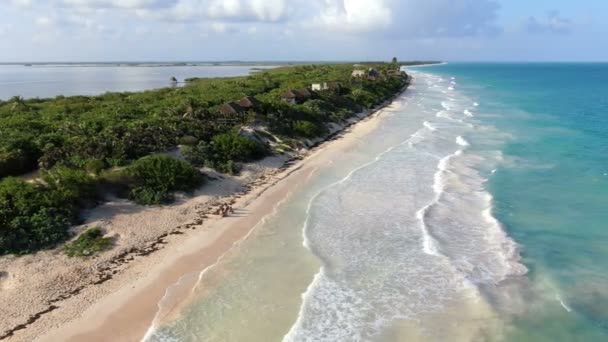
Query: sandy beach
{"type": "Point", "coordinates": [115, 296]}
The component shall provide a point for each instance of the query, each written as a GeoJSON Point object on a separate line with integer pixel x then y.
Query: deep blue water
{"type": "Point", "coordinates": [551, 191]}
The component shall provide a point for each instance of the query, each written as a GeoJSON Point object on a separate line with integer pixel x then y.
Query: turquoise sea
{"type": "Point", "coordinates": [474, 211]}
{"type": "Point", "coordinates": [551, 193]}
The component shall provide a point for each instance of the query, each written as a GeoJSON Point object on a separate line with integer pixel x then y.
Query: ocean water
{"type": "Point", "coordinates": [92, 79]}
{"type": "Point", "coordinates": [475, 211]}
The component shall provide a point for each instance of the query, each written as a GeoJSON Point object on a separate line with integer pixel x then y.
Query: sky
{"type": "Point", "coordinates": [303, 30]}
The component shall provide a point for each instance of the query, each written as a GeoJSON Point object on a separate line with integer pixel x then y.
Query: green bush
{"type": "Point", "coordinates": [38, 215]}
{"type": "Point", "coordinates": [74, 188]}
{"type": "Point", "coordinates": [188, 140]}
{"type": "Point", "coordinates": [307, 129]}
{"type": "Point", "coordinates": [199, 155]}
{"type": "Point", "coordinates": [224, 151]}
{"type": "Point", "coordinates": [95, 166]}
{"type": "Point", "coordinates": [32, 216]}
{"type": "Point", "coordinates": [232, 146]}
{"type": "Point", "coordinates": [155, 177]}
{"type": "Point", "coordinates": [88, 243]}
{"type": "Point", "coordinates": [15, 163]}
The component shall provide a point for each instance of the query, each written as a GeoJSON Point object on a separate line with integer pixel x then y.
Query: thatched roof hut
{"type": "Point", "coordinates": [231, 108]}
{"type": "Point", "coordinates": [250, 103]}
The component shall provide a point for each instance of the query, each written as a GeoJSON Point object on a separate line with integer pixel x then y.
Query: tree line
{"type": "Point", "coordinates": [87, 146]}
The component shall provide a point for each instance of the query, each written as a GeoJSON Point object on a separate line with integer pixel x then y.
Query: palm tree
{"type": "Point", "coordinates": [18, 102]}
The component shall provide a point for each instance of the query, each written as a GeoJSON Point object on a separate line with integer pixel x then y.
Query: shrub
{"type": "Point", "coordinates": [223, 151]}
{"type": "Point", "coordinates": [72, 187]}
{"type": "Point", "coordinates": [307, 129]}
{"type": "Point", "coordinates": [32, 216]}
{"type": "Point", "coordinates": [94, 166]}
{"type": "Point", "coordinates": [199, 155]}
{"type": "Point", "coordinates": [88, 243]}
{"type": "Point", "coordinates": [364, 98]}
{"type": "Point", "coordinates": [14, 163]}
{"type": "Point", "coordinates": [155, 177]}
{"type": "Point", "coordinates": [188, 140]}
{"type": "Point", "coordinates": [232, 146]}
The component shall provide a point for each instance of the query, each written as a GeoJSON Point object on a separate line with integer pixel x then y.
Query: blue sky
{"type": "Point", "coordinates": [201, 30]}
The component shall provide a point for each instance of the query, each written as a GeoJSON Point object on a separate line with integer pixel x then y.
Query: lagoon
{"type": "Point", "coordinates": [50, 80]}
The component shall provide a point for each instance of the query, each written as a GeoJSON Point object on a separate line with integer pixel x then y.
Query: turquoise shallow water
{"type": "Point", "coordinates": [551, 192]}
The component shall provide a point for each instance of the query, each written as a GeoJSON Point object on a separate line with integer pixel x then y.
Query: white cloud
{"type": "Point", "coordinates": [24, 3]}
{"type": "Point", "coordinates": [219, 27]}
{"type": "Point", "coordinates": [249, 10]}
{"type": "Point", "coordinates": [396, 18]}
{"type": "Point", "coordinates": [222, 10]}
{"type": "Point", "coordinates": [553, 22]}
{"type": "Point", "coordinates": [411, 18]}
{"type": "Point", "coordinates": [127, 4]}
{"type": "Point", "coordinates": [355, 15]}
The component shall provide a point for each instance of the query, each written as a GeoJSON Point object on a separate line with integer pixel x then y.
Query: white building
{"type": "Point", "coordinates": [358, 73]}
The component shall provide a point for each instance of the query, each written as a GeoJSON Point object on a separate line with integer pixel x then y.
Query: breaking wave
{"type": "Point", "coordinates": [406, 233]}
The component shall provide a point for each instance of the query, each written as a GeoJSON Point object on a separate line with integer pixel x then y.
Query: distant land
{"type": "Point", "coordinates": [198, 63]}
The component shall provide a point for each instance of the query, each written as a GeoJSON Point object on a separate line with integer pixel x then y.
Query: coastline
{"type": "Point", "coordinates": [123, 296]}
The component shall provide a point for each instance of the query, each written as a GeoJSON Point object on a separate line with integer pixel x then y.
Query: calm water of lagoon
{"type": "Point", "coordinates": [53, 80]}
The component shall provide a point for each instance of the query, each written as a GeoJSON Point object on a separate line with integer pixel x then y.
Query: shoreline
{"type": "Point", "coordinates": [142, 275]}
{"type": "Point", "coordinates": [425, 65]}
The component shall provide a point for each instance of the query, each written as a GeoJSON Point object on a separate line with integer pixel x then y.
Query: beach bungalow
{"type": "Point", "coordinates": [318, 86]}
{"type": "Point", "coordinates": [296, 96]}
{"type": "Point", "coordinates": [373, 74]}
{"type": "Point", "coordinates": [305, 94]}
{"type": "Point", "coordinates": [250, 103]}
{"type": "Point", "coordinates": [333, 86]}
{"type": "Point", "coordinates": [396, 73]}
{"type": "Point", "coordinates": [290, 96]}
{"type": "Point", "coordinates": [358, 73]}
{"type": "Point", "coordinates": [231, 108]}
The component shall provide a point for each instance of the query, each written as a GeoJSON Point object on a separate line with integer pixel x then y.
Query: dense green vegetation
{"type": "Point", "coordinates": [38, 215]}
{"type": "Point", "coordinates": [88, 243]}
{"type": "Point", "coordinates": [86, 146]}
{"type": "Point", "coordinates": [153, 179]}
{"type": "Point", "coordinates": [223, 151]}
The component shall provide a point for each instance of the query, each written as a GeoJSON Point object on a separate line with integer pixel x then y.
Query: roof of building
{"type": "Point", "coordinates": [373, 72]}
{"type": "Point", "coordinates": [290, 94]}
{"type": "Point", "coordinates": [231, 108]}
{"type": "Point", "coordinates": [333, 85]}
{"type": "Point", "coordinates": [304, 93]}
{"type": "Point", "coordinates": [249, 102]}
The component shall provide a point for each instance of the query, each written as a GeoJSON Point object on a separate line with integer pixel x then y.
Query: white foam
{"type": "Point", "coordinates": [563, 304]}
{"type": "Point", "coordinates": [429, 126]}
{"type": "Point", "coordinates": [448, 214]}
{"type": "Point", "coordinates": [461, 141]}
{"type": "Point", "coordinates": [476, 104]}
{"type": "Point", "coordinates": [468, 113]}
